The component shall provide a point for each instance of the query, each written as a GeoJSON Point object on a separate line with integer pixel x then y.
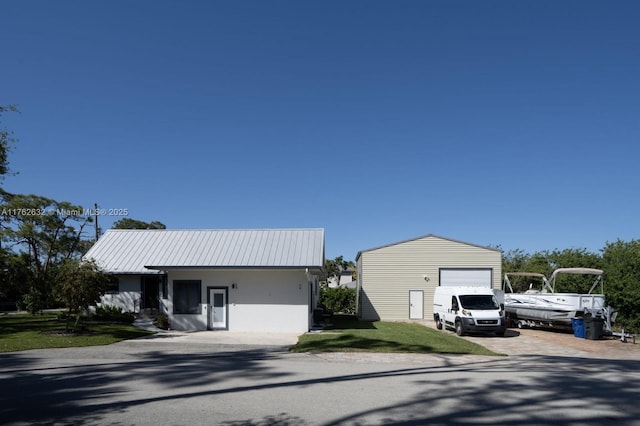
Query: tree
{"type": "Point", "coordinates": [6, 140]}
{"type": "Point", "coordinates": [78, 285]}
{"type": "Point", "coordinates": [333, 268]}
{"type": "Point", "coordinates": [45, 232]}
{"type": "Point", "coordinates": [127, 223]}
{"type": "Point", "coordinates": [545, 262]}
{"type": "Point", "coordinates": [515, 261]}
{"type": "Point", "coordinates": [571, 258]}
{"type": "Point", "coordinates": [621, 264]}
{"type": "Point", "coordinates": [15, 276]}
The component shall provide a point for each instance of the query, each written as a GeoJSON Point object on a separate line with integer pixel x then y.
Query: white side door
{"type": "Point", "coordinates": [416, 304]}
{"type": "Point", "coordinates": [217, 308]}
{"type": "Point", "coordinates": [451, 313]}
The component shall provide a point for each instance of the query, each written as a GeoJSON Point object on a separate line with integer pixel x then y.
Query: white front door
{"type": "Point", "coordinates": [217, 308]}
{"type": "Point", "coordinates": [416, 301]}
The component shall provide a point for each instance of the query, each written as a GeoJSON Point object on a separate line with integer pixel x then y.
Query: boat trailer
{"type": "Point", "coordinates": [609, 316]}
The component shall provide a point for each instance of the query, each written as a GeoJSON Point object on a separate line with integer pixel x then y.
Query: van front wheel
{"type": "Point", "coordinates": [459, 329]}
{"type": "Point", "coordinates": [438, 323]}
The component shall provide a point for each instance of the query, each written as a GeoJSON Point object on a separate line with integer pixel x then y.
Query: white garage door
{"type": "Point", "coordinates": [465, 277]}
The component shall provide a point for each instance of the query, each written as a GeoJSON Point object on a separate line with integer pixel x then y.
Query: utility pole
{"type": "Point", "coordinates": [95, 212]}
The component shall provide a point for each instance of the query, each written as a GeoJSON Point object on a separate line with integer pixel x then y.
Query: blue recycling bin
{"type": "Point", "coordinates": [578, 327]}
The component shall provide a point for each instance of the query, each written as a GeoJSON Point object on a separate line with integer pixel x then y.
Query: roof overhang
{"type": "Point", "coordinates": [228, 267]}
{"type": "Point", "coordinates": [149, 272]}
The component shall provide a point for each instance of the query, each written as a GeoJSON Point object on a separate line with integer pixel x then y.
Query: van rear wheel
{"type": "Point", "coordinates": [438, 323]}
{"type": "Point", "coordinates": [459, 329]}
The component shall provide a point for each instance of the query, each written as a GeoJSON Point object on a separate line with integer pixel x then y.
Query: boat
{"type": "Point", "coordinates": [541, 305]}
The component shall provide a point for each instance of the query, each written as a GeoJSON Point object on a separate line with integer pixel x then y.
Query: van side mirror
{"type": "Point", "coordinates": [502, 306]}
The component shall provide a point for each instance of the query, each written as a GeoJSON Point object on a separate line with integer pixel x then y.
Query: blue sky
{"type": "Point", "coordinates": [503, 123]}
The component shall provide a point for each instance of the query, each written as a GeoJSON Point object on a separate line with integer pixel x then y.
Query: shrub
{"type": "Point", "coordinates": [162, 321]}
{"type": "Point", "coordinates": [338, 299]}
{"type": "Point", "coordinates": [34, 301]}
{"type": "Point", "coordinates": [113, 313]}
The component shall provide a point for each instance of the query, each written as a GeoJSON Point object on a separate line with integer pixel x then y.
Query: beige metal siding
{"type": "Point", "coordinates": [387, 274]}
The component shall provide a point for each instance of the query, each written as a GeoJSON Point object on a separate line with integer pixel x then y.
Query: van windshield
{"type": "Point", "coordinates": [479, 302]}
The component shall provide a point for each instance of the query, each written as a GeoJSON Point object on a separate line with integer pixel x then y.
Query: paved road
{"type": "Point", "coordinates": [156, 382]}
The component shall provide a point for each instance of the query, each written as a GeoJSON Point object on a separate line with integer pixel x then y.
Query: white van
{"type": "Point", "coordinates": [468, 310]}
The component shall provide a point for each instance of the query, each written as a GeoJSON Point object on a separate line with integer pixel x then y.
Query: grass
{"type": "Point", "coordinates": [350, 335]}
{"type": "Point", "coordinates": [22, 332]}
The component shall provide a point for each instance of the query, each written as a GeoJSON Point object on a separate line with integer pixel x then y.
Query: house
{"type": "Point", "coordinates": [262, 280]}
{"type": "Point", "coordinates": [397, 281]}
{"type": "Point", "coordinates": [344, 280]}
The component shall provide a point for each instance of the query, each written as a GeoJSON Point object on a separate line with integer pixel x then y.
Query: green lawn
{"type": "Point", "coordinates": [350, 335]}
{"type": "Point", "coordinates": [21, 332]}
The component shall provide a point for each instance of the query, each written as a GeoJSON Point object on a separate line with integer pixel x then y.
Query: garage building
{"type": "Point", "coordinates": [397, 281]}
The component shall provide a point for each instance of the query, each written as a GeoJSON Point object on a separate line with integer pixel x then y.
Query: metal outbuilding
{"type": "Point", "coordinates": [397, 281]}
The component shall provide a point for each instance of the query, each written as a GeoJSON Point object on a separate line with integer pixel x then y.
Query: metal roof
{"type": "Point", "coordinates": [144, 251]}
{"type": "Point", "coordinates": [425, 236]}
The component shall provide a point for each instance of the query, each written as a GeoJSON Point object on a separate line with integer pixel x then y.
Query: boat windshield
{"type": "Point", "coordinates": [479, 302]}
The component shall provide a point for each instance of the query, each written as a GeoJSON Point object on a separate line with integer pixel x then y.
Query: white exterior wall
{"type": "Point", "coordinates": [128, 297]}
{"type": "Point", "coordinates": [344, 280]}
{"type": "Point", "coordinates": [263, 300]}
{"type": "Point", "coordinates": [386, 275]}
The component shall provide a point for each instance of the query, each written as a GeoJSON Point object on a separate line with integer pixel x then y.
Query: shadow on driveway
{"type": "Point", "coordinates": [74, 386]}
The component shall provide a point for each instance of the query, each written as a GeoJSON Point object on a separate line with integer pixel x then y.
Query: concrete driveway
{"type": "Point", "coordinates": [224, 338]}
{"type": "Point", "coordinates": [515, 342]}
{"type": "Point", "coordinates": [219, 337]}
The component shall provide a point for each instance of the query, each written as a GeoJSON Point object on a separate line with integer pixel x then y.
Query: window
{"type": "Point", "coordinates": [479, 302]}
{"type": "Point", "coordinates": [187, 296]}
{"type": "Point", "coordinates": [113, 285]}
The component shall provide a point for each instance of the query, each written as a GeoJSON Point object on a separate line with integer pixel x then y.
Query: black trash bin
{"type": "Point", "coordinates": [593, 328]}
